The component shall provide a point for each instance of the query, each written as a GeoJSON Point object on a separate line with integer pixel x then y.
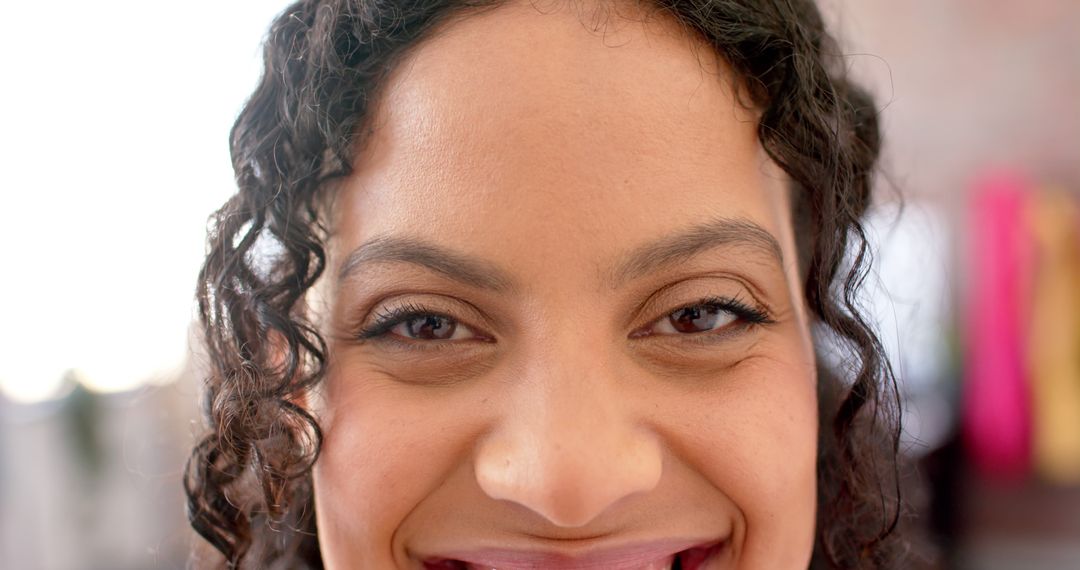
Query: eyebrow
{"type": "Point", "coordinates": [717, 232]}
{"type": "Point", "coordinates": [648, 258]}
{"type": "Point", "coordinates": [468, 270]}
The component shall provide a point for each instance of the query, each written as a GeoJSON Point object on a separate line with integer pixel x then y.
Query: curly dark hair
{"type": "Point", "coordinates": [248, 479]}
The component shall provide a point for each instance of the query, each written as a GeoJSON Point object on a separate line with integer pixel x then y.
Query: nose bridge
{"type": "Point", "coordinates": [569, 446]}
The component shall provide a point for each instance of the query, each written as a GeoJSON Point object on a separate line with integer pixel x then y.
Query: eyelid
{"type": "Point", "coordinates": [751, 313]}
{"type": "Point", "coordinates": [695, 286]}
{"type": "Point", "coordinates": [386, 320]}
{"type": "Point", "coordinates": [746, 314]}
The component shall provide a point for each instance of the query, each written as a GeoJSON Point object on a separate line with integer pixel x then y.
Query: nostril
{"type": "Point", "coordinates": [568, 456]}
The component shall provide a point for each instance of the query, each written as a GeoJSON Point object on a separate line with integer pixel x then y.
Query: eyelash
{"type": "Point", "coordinates": [749, 316]}
{"type": "Point", "coordinates": [384, 321]}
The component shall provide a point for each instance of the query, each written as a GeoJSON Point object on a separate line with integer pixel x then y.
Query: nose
{"type": "Point", "coordinates": [568, 448]}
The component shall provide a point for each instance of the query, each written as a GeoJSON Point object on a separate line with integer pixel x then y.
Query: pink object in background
{"type": "Point", "coordinates": [996, 414]}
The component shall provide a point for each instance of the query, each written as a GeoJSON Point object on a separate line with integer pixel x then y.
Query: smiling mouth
{"type": "Point", "coordinates": [694, 558]}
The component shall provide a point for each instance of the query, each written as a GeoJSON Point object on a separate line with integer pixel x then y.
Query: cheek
{"type": "Point", "coordinates": [750, 431]}
{"type": "Point", "coordinates": [379, 460]}
{"type": "Point", "coordinates": [755, 439]}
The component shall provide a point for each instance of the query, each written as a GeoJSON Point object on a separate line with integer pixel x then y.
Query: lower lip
{"type": "Point", "coordinates": [695, 558]}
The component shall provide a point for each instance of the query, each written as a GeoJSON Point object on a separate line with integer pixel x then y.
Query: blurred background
{"type": "Point", "coordinates": [116, 134]}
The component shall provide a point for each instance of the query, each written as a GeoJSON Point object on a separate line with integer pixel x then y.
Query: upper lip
{"type": "Point", "coordinates": [626, 557]}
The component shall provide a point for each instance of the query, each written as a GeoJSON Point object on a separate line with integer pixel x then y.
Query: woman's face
{"type": "Point", "coordinates": [563, 317]}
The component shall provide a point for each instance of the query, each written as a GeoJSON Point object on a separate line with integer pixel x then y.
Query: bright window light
{"type": "Point", "coordinates": [115, 151]}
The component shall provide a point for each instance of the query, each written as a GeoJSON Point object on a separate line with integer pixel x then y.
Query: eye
{"type": "Point", "coordinates": [695, 319]}
{"type": "Point", "coordinates": [431, 327]}
{"type": "Point", "coordinates": [416, 323]}
{"type": "Point", "coordinates": [707, 315]}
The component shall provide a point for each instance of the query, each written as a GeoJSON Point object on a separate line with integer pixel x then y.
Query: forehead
{"type": "Point", "coordinates": [557, 130]}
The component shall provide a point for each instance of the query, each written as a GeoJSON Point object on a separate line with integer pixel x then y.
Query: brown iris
{"type": "Point", "coordinates": [430, 327]}
{"type": "Point", "coordinates": [699, 318]}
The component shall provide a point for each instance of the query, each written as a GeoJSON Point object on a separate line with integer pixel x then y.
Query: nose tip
{"type": "Point", "coordinates": [568, 473]}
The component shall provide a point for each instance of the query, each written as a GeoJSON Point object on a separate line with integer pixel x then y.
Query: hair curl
{"type": "Point", "coordinates": [248, 481]}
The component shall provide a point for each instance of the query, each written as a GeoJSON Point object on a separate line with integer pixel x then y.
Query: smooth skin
{"type": "Point", "coordinates": [557, 198]}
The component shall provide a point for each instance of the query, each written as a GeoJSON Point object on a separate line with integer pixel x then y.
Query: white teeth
{"type": "Point", "coordinates": [663, 564]}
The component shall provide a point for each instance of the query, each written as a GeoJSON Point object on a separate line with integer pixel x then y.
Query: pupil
{"type": "Point", "coordinates": [431, 328]}
{"type": "Point", "coordinates": [693, 319]}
